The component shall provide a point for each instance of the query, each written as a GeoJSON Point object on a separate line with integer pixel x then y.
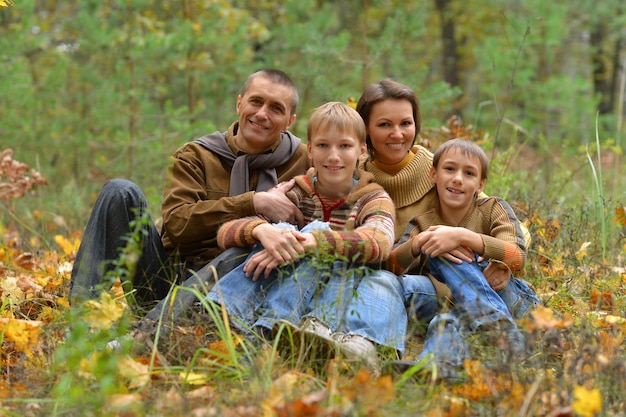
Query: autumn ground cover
{"type": "Point", "coordinates": [55, 360]}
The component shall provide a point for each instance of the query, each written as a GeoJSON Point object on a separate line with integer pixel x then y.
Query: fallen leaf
{"type": "Point", "coordinates": [543, 318]}
{"type": "Point", "coordinates": [587, 403]}
{"type": "Point", "coordinates": [137, 373]}
{"type": "Point", "coordinates": [24, 333]}
{"type": "Point", "coordinates": [620, 216]}
{"type": "Point", "coordinates": [10, 289]}
{"type": "Point", "coordinates": [103, 313]}
{"type": "Point", "coordinates": [281, 389]}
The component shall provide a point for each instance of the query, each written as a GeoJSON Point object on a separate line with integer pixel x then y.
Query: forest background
{"type": "Point", "coordinates": [93, 90]}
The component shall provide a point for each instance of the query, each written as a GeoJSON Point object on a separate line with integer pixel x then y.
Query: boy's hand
{"type": "Point", "coordinates": [442, 241]}
{"type": "Point", "coordinates": [260, 263]}
{"type": "Point", "coordinates": [264, 263]}
{"type": "Point", "coordinates": [280, 243]}
{"type": "Point", "coordinates": [497, 276]}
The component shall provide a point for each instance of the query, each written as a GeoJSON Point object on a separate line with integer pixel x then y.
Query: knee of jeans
{"type": "Point", "coordinates": [422, 307]}
{"type": "Point", "coordinates": [119, 188]}
{"type": "Point", "coordinates": [445, 318]}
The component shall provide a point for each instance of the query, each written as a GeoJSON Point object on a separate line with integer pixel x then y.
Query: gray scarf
{"type": "Point", "coordinates": [241, 165]}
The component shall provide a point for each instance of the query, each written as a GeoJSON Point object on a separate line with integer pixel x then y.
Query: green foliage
{"type": "Point", "coordinates": [111, 89]}
{"type": "Point", "coordinates": [85, 368]}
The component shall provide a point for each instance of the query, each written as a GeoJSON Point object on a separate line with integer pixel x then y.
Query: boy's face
{"type": "Point", "coordinates": [335, 155]}
{"type": "Point", "coordinates": [457, 178]}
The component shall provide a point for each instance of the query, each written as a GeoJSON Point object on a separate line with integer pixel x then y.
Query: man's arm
{"type": "Point", "coordinates": [196, 201]}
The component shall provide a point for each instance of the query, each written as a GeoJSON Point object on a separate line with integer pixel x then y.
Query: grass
{"type": "Point", "coordinates": [202, 366]}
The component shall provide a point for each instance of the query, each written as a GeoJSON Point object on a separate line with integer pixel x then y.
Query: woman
{"type": "Point", "coordinates": [392, 118]}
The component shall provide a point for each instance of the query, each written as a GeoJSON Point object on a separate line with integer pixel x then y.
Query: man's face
{"type": "Point", "coordinates": [264, 111]}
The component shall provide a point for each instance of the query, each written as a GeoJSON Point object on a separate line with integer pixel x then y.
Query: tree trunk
{"type": "Point", "coordinates": [601, 72]}
{"type": "Point", "coordinates": [450, 54]}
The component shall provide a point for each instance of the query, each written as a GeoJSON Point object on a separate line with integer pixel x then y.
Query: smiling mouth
{"type": "Point", "coordinates": [395, 145]}
{"type": "Point", "coordinates": [255, 124]}
{"type": "Point", "coordinates": [453, 191]}
{"type": "Point", "coordinates": [333, 168]}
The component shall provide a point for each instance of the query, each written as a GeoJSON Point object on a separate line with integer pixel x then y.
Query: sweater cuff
{"type": "Point", "coordinates": [403, 254]}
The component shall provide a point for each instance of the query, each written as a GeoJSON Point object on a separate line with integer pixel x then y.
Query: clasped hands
{"type": "Point", "coordinates": [444, 241]}
{"type": "Point", "coordinates": [280, 246]}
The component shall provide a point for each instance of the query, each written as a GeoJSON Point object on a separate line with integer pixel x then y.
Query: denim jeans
{"type": "Point", "coordinates": [420, 298]}
{"type": "Point", "coordinates": [477, 306]}
{"type": "Point", "coordinates": [363, 301]}
{"type": "Point", "coordinates": [285, 294]}
{"type": "Point", "coordinates": [120, 204]}
{"type": "Point", "coordinates": [348, 298]}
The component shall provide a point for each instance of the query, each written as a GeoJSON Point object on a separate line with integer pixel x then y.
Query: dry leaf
{"type": "Point", "coordinates": [587, 403]}
{"type": "Point", "coordinates": [24, 333]}
{"type": "Point", "coordinates": [543, 318]}
{"type": "Point", "coordinates": [103, 313]}
{"type": "Point", "coordinates": [11, 290]}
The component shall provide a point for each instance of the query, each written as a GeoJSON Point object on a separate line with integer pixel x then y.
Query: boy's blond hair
{"type": "Point", "coordinates": [339, 116]}
{"type": "Point", "coordinates": [467, 148]}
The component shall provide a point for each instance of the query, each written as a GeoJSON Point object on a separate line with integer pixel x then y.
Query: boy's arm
{"type": "Point", "coordinates": [505, 242]}
{"type": "Point", "coordinates": [372, 239]}
{"type": "Point", "coordinates": [401, 258]}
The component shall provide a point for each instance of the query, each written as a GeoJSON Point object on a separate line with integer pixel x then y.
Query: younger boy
{"type": "Point", "coordinates": [348, 215]}
{"type": "Point", "coordinates": [454, 226]}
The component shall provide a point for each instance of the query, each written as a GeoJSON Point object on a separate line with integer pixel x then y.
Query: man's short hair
{"type": "Point", "coordinates": [278, 77]}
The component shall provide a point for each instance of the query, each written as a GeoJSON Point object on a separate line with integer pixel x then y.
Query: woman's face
{"type": "Point", "coordinates": [391, 129]}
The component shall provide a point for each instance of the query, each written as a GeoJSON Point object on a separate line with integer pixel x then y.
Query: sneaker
{"type": "Point", "coordinates": [311, 343]}
{"type": "Point", "coordinates": [358, 348]}
{"type": "Point", "coordinates": [313, 325]}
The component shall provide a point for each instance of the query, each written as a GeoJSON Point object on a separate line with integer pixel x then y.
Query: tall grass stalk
{"type": "Point", "coordinates": [597, 176]}
{"type": "Point", "coordinates": [618, 130]}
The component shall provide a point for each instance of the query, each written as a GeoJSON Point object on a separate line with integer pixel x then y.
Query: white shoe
{"type": "Point", "coordinates": [357, 347]}
{"type": "Point", "coordinates": [315, 326]}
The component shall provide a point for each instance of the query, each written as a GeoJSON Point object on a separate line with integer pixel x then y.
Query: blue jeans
{"type": "Point", "coordinates": [120, 204]}
{"type": "Point", "coordinates": [363, 301]}
{"type": "Point", "coordinates": [348, 298]}
{"type": "Point", "coordinates": [420, 298]}
{"type": "Point", "coordinates": [477, 306]}
{"type": "Point", "coordinates": [285, 294]}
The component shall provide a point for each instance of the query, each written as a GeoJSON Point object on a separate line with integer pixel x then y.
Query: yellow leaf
{"type": "Point", "coordinates": [24, 333]}
{"type": "Point", "coordinates": [5, 3]}
{"type": "Point", "coordinates": [11, 290]}
{"type": "Point", "coordinates": [103, 313]}
{"type": "Point", "coordinates": [281, 389]}
{"type": "Point", "coordinates": [69, 248]}
{"type": "Point", "coordinates": [587, 403]}
{"type": "Point", "coordinates": [543, 318]}
{"type": "Point", "coordinates": [582, 252]}
{"type": "Point", "coordinates": [137, 373]}
{"type": "Point", "coordinates": [194, 378]}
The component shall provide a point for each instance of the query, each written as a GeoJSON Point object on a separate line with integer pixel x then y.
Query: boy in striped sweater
{"type": "Point", "coordinates": [454, 236]}
{"type": "Point", "coordinates": [350, 228]}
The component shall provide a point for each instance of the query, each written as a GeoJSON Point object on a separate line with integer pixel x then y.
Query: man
{"type": "Point", "coordinates": [212, 180]}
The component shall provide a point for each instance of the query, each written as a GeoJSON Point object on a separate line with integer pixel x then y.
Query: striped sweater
{"type": "Point", "coordinates": [491, 217]}
{"type": "Point", "coordinates": [362, 225]}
